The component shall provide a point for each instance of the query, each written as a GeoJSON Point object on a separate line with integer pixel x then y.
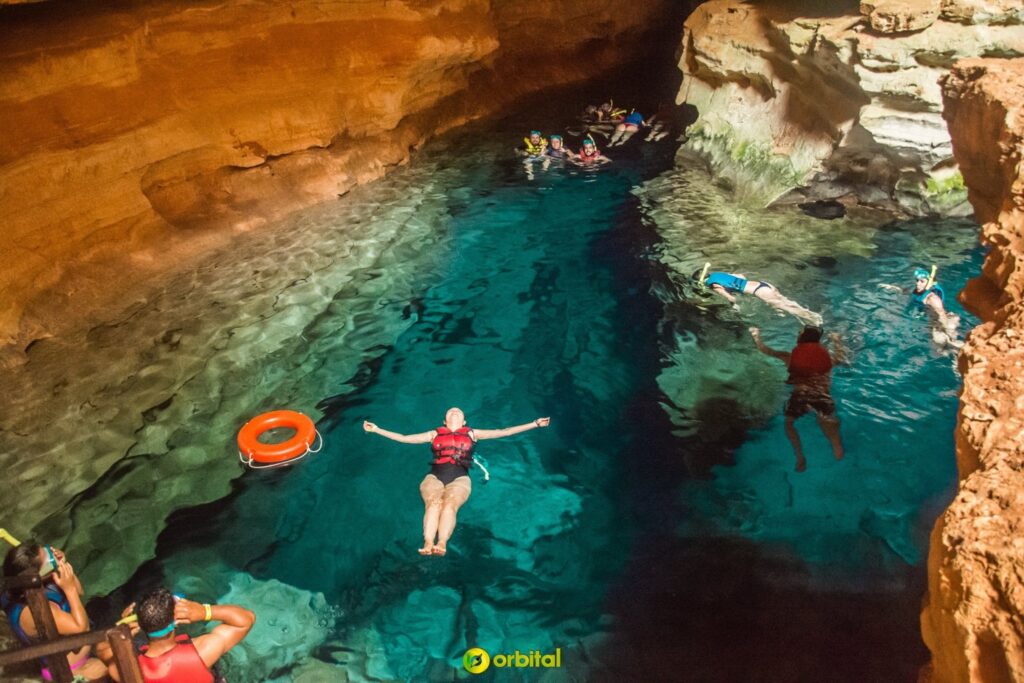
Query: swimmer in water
{"type": "Point", "coordinates": [534, 145]}
{"type": "Point", "coordinates": [447, 486]}
{"type": "Point", "coordinates": [810, 373]}
{"type": "Point", "coordinates": [929, 295]}
{"type": "Point", "coordinates": [589, 154]}
{"type": "Point", "coordinates": [729, 284]}
{"type": "Point", "coordinates": [629, 126]}
{"type": "Point", "coordinates": [557, 149]}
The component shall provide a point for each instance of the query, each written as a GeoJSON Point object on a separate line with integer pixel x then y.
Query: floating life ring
{"type": "Point", "coordinates": [252, 451]}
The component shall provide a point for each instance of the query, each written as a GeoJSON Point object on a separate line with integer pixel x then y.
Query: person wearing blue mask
{"type": "Point", "coordinates": [929, 295]}
{"type": "Point", "coordinates": [728, 285]}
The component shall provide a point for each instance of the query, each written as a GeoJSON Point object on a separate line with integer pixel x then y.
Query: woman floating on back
{"type": "Point", "coordinates": [447, 486]}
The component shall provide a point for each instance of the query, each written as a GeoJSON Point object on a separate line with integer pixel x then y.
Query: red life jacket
{"type": "Point", "coordinates": [588, 158]}
{"type": "Point", "coordinates": [807, 361]}
{"type": "Point", "coordinates": [181, 664]}
{"type": "Point", "coordinates": [453, 447]}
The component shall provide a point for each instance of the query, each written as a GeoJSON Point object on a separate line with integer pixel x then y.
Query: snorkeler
{"type": "Point", "coordinates": [729, 284]}
{"type": "Point", "coordinates": [928, 294]}
{"type": "Point", "coordinates": [535, 145]}
{"type": "Point", "coordinates": [810, 373]}
{"type": "Point", "coordinates": [589, 154]}
{"type": "Point", "coordinates": [557, 149]}
{"type": "Point", "coordinates": [447, 486]}
{"type": "Point", "coordinates": [629, 126]}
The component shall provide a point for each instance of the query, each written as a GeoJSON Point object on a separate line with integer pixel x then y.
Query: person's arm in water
{"type": "Point", "coordinates": [509, 431]}
{"type": "Point", "coordinates": [840, 353]}
{"type": "Point", "coordinates": [934, 302]}
{"type": "Point", "coordinates": [767, 350]}
{"type": "Point", "coordinates": [891, 288]}
{"type": "Point", "coordinates": [422, 437]}
{"type": "Point", "coordinates": [235, 625]}
{"type": "Point", "coordinates": [722, 291]}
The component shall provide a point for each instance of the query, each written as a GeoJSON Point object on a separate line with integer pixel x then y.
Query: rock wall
{"type": "Point", "coordinates": [972, 620]}
{"type": "Point", "coordinates": [844, 98]}
{"type": "Point", "coordinates": [136, 135]}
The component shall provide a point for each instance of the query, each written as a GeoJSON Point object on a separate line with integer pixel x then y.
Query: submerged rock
{"type": "Point", "coordinates": [828, 209]}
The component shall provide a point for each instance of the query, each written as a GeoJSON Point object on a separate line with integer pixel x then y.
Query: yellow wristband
{"type": "Point", "coordinates": [209, 611]}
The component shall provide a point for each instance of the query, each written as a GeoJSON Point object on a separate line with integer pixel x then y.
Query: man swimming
{"type": "Point", "coordinates": [447, 486]}
{"type": "Point", "coordinates": [534, 145]}
{"type": "Point", "coordinates": [810, 373]}
{"type": "Point", "coordinates": [728, 285]}
{"type": "Point", "coordinates": [589, 154]}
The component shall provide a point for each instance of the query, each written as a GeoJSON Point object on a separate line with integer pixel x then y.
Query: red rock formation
{"type": "Point", "coordinates": [137, 135]}
{"type": "Point", "coordinates": [972, 620]}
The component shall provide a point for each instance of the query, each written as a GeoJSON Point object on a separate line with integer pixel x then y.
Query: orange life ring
{"type": "Point", "coordinates": [250, 447]}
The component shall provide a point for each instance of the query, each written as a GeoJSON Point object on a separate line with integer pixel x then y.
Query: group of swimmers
{"type": "Point", "coordinates": [536, 147]}
{"type": "Point", "coordinates": [617, 125]}
{"type": "Point", "coordinates": [165, 654]}
{"type": "Point", "coordinates": [809, 363]}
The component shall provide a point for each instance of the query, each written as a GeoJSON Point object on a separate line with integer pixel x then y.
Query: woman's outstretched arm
{"type": "Point", "coordinates": [509, 431]}
{"type": "Point", "coordinates": [423, 437]}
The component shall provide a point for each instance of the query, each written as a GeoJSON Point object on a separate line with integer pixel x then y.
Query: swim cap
{"type": "Point", "coordinates": [921, 274]}
{"type": "Point", "coordinates": [556, 137]}
{"type": "Point", "coordinates": [535, 132]}
{"type": "Point", "coordinates": [588, 141]}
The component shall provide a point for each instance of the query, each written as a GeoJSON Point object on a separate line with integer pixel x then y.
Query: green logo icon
{"type": "Point", "coordinates": [476, 660]}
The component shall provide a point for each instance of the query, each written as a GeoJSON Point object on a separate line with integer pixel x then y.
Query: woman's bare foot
{"type": "Point", "coordinates": [427, 549]}
{"type": "Point", "coordinates": [440, 549]}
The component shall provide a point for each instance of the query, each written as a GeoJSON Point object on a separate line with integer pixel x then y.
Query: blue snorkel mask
{"type": "Point", "coordinates": [50, 564]}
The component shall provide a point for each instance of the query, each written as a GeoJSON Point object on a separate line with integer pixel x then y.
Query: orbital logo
{"type": "Point", "coordinates": [476, 660]}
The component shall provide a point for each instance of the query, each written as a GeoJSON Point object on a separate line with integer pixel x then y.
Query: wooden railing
{"type": "Point", "coordinates": [54, 647]}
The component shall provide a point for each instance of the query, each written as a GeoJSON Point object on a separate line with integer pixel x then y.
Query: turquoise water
{"type": "Point", "coordinates": [656, 531]}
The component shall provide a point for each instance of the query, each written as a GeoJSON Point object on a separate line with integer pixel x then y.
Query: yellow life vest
{"type": "Point", "coordinates": [535, 150]}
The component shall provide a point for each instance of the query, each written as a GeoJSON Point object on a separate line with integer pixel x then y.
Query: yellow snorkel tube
{"type": "Point", "coordinates": [6, 535]}
{"type": "Point", "coordinates": [704, 274]}
{"type": "Point", "coordinates": [931, 278]}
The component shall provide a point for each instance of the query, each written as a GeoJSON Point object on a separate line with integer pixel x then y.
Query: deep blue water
{"type": "Point", "coordinates": [656, 531]}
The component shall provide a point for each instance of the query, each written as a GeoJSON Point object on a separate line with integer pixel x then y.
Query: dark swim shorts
{"type": "Point", "coordinates": [803, 402]}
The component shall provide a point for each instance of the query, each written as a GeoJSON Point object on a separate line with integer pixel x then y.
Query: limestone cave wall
{"type": "Point", "coordinates": [137, 134]}
{"type": "Point", "coordinates": [972, 615]}
{"type": "Point", "coordinates": [842, 97]}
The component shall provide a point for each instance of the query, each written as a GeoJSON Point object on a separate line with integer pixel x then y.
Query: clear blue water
{"type": "Point", "coordinates": [656, 531]}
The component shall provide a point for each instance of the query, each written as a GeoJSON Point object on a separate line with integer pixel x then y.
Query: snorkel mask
{"type": "Point", "coordinates": [929, 278]}
{"type": "Point", "coordinates": [50, 564]}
